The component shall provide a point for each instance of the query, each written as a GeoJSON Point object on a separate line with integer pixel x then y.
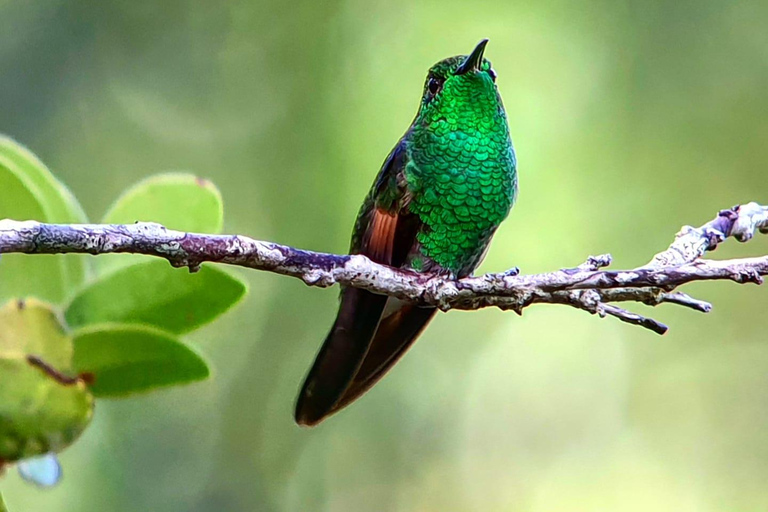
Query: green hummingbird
{"type": "Point", "coordinates": [433, 208]}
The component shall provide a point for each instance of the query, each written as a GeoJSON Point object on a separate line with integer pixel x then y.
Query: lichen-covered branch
{"type": "Point", "coordinates": [588, 287]}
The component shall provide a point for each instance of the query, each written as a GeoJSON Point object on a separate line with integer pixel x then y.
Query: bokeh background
{"type": "Point", "coordinates": [630, 119]}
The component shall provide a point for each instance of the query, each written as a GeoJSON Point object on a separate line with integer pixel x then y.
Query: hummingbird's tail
{"type": "Point", "coordinates": [361, 347]}
{"type": "Point", "coordinates": [395, 335]}
{"type": "Point", "coordinates": [341, 355]}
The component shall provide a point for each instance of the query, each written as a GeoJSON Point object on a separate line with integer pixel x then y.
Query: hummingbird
{"type": "Point", "coordinates": [433, 208]}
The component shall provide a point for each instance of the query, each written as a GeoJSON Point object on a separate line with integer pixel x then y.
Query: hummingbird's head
{"type": "Point", "coordinates": [460, 93]}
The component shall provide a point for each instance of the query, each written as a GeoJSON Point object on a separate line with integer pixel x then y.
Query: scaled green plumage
{"type": "Point", "coordinates": [461, 172]}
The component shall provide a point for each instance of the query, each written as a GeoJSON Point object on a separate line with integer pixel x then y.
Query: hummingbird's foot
{"type": "Point", "coordinates": [514, 271]}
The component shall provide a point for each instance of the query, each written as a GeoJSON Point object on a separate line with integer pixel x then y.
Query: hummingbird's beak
{"type": "Point", "coordinates": [472, 62]}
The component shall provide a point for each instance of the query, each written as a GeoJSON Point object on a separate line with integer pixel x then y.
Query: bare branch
{"type": "Point", "coordinates": [587, 286]}
{"type": "Point", "coordinates": [632, 318]}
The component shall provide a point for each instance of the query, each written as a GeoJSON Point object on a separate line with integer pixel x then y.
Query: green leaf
{"type": "Point", "coordinates": [41, 408]}
{"type": "Point", "coordinates": [56, 204]}
{"type": "Point", "coordinates": [32, 327]}
{"type": "Point", "coordinates": [128, 359]}
{"type": "Point", "coordinates": [56, 197]}
{"type": "Point", "coordinates": [177, 201]}
{"type": "Point", "coordinates": [155, 294]}
{"type": "Point", "coordinates": [39, 275]}
{"type": "Point", "coordinates": [3, 508]}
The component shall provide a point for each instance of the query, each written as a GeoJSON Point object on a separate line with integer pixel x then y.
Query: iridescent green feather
{"type": "Point", "coordinates": [461, 170]}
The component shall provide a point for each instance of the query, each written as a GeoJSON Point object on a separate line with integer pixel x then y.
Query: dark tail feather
{"type": "Point", "coordinates": [395, 335]}
{"type": "Point", "coordinates": [341, 355]}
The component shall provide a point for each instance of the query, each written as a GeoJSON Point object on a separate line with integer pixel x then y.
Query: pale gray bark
{"type": "Point", "coordinates": [588, 287]}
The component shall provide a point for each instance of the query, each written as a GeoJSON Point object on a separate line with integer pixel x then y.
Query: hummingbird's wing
{"type": "Point", "coordinates": [340, 356]}
{"type": "Point", "coordinates": [394, 336]}
{"type": "Point", "coordinates": [354, 355]}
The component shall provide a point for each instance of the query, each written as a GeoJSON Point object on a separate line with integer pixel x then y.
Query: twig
{"type": "Point", "coordinates": [585, 287]}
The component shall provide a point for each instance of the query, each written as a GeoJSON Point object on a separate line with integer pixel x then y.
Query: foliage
{"type": "Point", "coordinates": [38, 414]}
{"type": "Point", "coordinates": [130, 358]}
{"type": "Point", "coordinates": [116, 324]}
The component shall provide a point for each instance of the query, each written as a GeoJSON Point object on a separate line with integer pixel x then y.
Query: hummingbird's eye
{"type": "Point", "coordinates": [434, 85]}
{"type": "Point", "coordinates": [492, 73]}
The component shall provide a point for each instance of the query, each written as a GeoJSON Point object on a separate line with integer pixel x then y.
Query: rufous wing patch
{"type": "Point", "coordinates": [381, 236]}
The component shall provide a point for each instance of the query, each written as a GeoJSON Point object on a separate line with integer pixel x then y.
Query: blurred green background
{"type": "Point", "coordinates": [629, 118]}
